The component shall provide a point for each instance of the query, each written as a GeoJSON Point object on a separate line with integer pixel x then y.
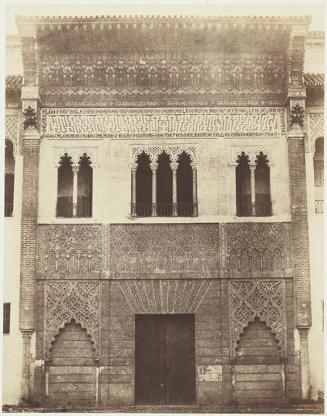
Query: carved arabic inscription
{"type": "Point", "coordinates": [162, 123]}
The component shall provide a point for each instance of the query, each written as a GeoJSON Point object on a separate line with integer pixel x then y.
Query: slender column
{"type": "Point", "coordinates": [133, 183]}
{"type": "Point", "coordinates": [57, 191]}
{"type": "Point", "coordinates": [174, 170]}
{"type": "Point", "coordinates": [252, 168]}
{"type": "Point", "coordinates": [46, 370]}
{"type": "Point", "coordinates": [304, 354]}
{"type": "Point", "coordinates": [154, 188]}
{"type": "Point", "coordinates": [27, 334]}
{"type": "Point", "coordinates": [195, 190]}
{"type": "Point", "coordinates": [75, 172]}
{"type": "Point", "coordinates": [97, 374]}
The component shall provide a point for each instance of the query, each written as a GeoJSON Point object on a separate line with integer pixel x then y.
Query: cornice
{"type": "Point", "coordinates": [205, 22]}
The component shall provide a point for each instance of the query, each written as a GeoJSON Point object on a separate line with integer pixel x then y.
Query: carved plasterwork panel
{"type": "Point", "coordinates": [263, 299]}
{"type": "Point", "coordinates": [87, 97]}
{"type": "Point", "coordinates": [316, 126]}
{"type": "Point", "coordinates": [172, 151]}
{"type": "Point", "coordinates": [252, 152]}
{"type": "Point", "coordinates": [125, 71]}
{"type": "Point", "coordinates": [70, 251]}
{"type": "Point", "coordinates": [164, 296]}
{"type": "Point", "coordinates": [75, 152]}
{"type": "Point", "coordinates": [259, 247]}
{"type": "Point", "coordinates": [12, 130]}
{"type": "Point", "coordinates": [157, 123]}
{"type": "Point", "coordinates": [136, 250]}
{"type": "Point", "coordinates": [76, 300]}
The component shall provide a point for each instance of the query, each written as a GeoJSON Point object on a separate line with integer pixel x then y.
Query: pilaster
{"type": "Point", "coordinates": [29, 213]}
{"type": "Point", "coordinates": [298, 196]}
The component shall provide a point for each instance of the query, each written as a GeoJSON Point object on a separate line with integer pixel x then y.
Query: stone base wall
{"type": "Point", "coordinates": [209, 270]}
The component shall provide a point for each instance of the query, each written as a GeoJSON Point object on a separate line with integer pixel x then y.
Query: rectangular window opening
{"type": "Point", "coordinates": [6, 318]}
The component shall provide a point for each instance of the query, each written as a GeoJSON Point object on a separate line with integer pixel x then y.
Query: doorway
{"type": "Point", "coordinates": [164, 359]}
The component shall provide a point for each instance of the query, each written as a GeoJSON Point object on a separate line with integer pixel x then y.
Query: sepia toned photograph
{"type": "Point", "coordinates": [163, 208]}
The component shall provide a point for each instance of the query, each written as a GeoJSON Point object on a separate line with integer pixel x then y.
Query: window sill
{"type": "Point", "coordinates": [68, 220]}
{"type": "Point", "coordinates": [165, 220]}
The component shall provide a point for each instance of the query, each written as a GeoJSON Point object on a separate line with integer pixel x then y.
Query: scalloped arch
{"type": "Point", "coordinates": [60, 330]}
{"type": "Point", "coordinates": [172, 150]}
{"type": "Point", "coordinates": [238, 339]}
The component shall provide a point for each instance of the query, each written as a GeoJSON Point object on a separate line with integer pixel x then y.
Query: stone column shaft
{"type": "Point", "coordinates": [27, 334]}
{"type": "Point", "coordinates": [195, 191]}
{"type": "Point", "coordinates": [154, 188]}
{"type": "Point", "coordinates": [174, 170]}
{"type": "Point", "coordinates": [305, 369]}
{"type": "Point", "coordinates": [75, 173]}
{"type": "Point", "coordinates": [252, 168]}
{"type": "Point", "coordinates": [133, 183]}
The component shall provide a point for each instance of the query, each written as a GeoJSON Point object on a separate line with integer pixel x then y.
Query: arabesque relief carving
{"type": "Point", "coordinates": [263, 299]}
{"type": "Point", "coordinates": [65, 301]}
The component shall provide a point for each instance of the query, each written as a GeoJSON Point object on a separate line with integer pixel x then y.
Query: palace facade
{"type": "Point", "coordinates": [163, 203]}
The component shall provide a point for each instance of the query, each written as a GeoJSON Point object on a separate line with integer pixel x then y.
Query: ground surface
{"type": "Point", "coordinates": [287, 408]}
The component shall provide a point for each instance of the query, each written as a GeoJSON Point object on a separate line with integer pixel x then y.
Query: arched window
{"type": "Point", "coordinates": [262, 186]}
{"type": "Point", "coordinates": [65, 187]}
{"type": "Point", "coordinates": [9, 178]}
{"type": "Point", "coordinates": [84, 187]}
{"type": "Point", "coordinates": [318, 162]}
{"type": "Point", "coordinates": [243, 186]}
{"type": "Point", "coordinates": [143, 186]}
{"type": "Point", "coordinates": [164, 186]}
{"type": "Point", "coordinates": [184, 186]}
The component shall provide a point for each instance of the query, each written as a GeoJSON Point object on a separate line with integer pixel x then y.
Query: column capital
{"type": "Point", "coordinates": [27, 334]}
{"type": "Point", "coordinates": [154, 166]}
{"type": "Point", "coordinates": [75, 168]}
{"type": "Point", "coordinates": [174, 166]}
{"type": "Point", "coordinates": [303, 331]}
{"type": "Point", "coordinates": [134, 167]}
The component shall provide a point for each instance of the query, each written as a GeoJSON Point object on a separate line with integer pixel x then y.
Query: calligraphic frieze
{"type": "Point", "coordinates": [151, 123]}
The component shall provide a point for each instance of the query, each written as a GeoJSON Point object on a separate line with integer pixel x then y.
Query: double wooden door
{"type": "Point", "coordinates": [164, 359]}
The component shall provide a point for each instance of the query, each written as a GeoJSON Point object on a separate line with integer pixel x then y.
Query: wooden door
{"type": "Point", "coordinates": [164, 359]}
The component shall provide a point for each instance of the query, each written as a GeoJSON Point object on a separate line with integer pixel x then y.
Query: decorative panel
{"type": "Point", "coordinates": [136, 97]}
{"type": "Point", "coordinates": [172, 151]}
{"type": "Point", "coordinates": [252, 152]}
{"type": "Point", "coordinates": [172, 69]}
{"type": "Point", "coordinates": [70, 251]}
{"type": "Point", "coordinates": [99, 123]}
{"type": "Point", "coordinates": [75, 152]}
{"type": "Point", "coordinates": [12, 130]}
{"type": "Point", "coordinates": [259, 247]}
{"type": "Point", "coordinates": [164, 296]}
{"type": "Point", "coordinates": [73, 300]}
{"type": "Point", "coordinates": [263, 299]}
{"type": "Point", "coordinates": [139, 250]}
{"type": "Point", "coordinates": [316, 126]}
